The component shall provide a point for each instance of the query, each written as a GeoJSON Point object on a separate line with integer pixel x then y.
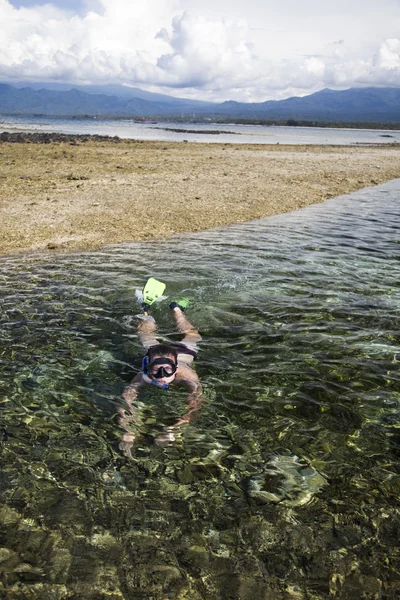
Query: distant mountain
{"type": "Point", "coordinates": [28, 101]}
{"type": "Point", "coordinates": [356, 105]}
{"type": "Point", "coordinates": [120, 91]}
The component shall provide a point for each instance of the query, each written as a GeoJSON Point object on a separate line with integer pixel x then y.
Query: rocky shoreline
{"type": "Point", "coordinates": [198, 131]}
{"type": "Point", "coordinates": [23, 137]}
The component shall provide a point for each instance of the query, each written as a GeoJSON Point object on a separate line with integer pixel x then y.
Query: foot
{"type": "Point", "coordinates": [181, 303]}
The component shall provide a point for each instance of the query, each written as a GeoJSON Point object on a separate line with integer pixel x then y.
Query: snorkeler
{"type": "Point", "coordinates": [163, 365]}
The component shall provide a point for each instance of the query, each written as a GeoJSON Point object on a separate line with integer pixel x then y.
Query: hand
{"type": "Point", "coordinates": [163, 440]}
{"type": "Point", "coordinates": [126, 444]}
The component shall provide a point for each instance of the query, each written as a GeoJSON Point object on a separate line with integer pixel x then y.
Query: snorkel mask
{"type": "Point", "coordinates": [167, 369]}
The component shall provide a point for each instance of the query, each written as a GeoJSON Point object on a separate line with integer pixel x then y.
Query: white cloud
{"type": "Point", "coordinates": [208, 50]}
{"type": "Point", "coordinates": [388, 56]}
{"type": "Point", "coordinates": [203, 52]}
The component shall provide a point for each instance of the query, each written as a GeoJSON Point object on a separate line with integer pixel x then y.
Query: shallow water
{"type": "Point", "coordinates": [202, 132]}
{"type": "Point", "coordinates": [287, 484]}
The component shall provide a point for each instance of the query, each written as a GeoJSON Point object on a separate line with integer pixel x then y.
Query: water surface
{"type": "Point", "coordinates": [287, 484]}
{"type": "Point", "coordinates": [201, 132]}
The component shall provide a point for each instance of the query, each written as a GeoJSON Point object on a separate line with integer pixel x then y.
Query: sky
{"type": "Point", "coordinates": [215, 50]}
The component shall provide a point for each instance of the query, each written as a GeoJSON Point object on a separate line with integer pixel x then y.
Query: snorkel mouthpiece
{"type": "Point", "coordinates": [164, 386]}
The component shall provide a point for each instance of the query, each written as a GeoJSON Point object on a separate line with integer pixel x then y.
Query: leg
{"type": "Point", "coordinates": [147, 331]}
{"type": "Point", "coordinates": [183, 324]}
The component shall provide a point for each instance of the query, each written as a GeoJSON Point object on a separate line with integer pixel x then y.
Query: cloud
{"type": "Point", "coordinates": [388, 56]}
{"type": "Point", "coordinates": [205, 52]}
{"type": "Point", "coordinates": [380, 69]}
{"type": "Point", "coordinates": [155, 45]}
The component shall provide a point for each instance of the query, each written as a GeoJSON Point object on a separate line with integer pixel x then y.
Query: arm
{"type": "Point", "coordinates": [127, 415]}
{"type": "Point", "coordinates": [185, 376]}
{"type": "Point", "coordinates": [194, 401]}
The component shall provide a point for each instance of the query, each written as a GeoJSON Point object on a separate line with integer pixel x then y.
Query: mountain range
{"type": "Point", "coordinates": [355, 105]}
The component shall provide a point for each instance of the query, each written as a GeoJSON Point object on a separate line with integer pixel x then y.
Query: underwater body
{"type": "Point", "coordinates": [285, 486]}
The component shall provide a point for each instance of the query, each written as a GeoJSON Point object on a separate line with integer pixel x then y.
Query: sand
{"type": "Point", "coordinates": [62, 196]}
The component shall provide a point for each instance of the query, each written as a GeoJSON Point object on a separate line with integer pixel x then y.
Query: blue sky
{"type": "Point", "coordinates": [248, 50]}
{"type": "Point", "coordinates": [72, 5]}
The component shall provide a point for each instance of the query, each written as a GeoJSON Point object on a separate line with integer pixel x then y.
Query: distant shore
{"type": "Point", "coordinates": [217, 120]}
{"type": "Point", "coordinates": [64, 192]}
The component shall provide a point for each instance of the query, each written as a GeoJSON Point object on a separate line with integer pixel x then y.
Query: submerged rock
{"type": "Point", "coordinates": [287, 480]}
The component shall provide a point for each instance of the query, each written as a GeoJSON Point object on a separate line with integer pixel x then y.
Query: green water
{"type": "Point", "coordinates": [285, 487]}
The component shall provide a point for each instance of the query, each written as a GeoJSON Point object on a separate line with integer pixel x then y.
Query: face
{"type": "Point", "coordinates": [165, 369]}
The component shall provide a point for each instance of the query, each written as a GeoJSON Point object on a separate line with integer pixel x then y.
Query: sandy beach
{"type": "Point", "coordinates": [72, 193]}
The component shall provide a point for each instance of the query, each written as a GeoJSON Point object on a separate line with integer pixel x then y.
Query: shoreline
{"type": "Point", "coordinates": [63, 192]}
{"type": "Point", "coordinates": [347, 126]}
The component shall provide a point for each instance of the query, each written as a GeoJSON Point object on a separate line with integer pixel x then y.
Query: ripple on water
{"type": "Point", "coordinates": [288, 481]}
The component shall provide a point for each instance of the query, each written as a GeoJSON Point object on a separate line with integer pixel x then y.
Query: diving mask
{"type": "Point", "coordinates": [167, 367]}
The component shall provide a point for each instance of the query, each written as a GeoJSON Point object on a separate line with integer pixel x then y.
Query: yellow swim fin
{"type": "Point", "coordinates": [153, 290]}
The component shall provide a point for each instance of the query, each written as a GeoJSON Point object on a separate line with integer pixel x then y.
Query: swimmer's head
{"type": "Point", "coordinates": [161, 364]}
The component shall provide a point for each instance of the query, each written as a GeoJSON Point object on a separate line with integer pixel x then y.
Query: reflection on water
{"type": "Point", "coordinates": [286, 486]}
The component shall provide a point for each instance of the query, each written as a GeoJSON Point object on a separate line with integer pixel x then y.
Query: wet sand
{"type": "Point", "coordinates": [74, 194]}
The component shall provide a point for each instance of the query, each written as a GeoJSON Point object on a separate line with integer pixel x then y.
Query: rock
{"type": "Point", "coordinates": [47, 138]}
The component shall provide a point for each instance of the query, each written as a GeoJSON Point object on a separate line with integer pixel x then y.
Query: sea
{"type": "Point", "coordinates": [200, 132]}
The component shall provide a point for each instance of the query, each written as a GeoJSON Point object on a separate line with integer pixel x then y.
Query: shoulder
{"type": "Point", "coordinates": [187, 376]}
{"type": "Point", "coordinates": [186, 371]}
{"type": "Point", "coordinates": [137, 381]}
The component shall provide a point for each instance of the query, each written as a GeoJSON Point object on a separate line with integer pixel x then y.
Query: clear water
{"type": "Point", "coordinates": [229, 133]}
{"type": "Point", "coordinates": [287, 484]}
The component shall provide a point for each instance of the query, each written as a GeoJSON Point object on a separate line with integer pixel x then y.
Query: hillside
{"type": "Point", "coordinates": [356, 105]}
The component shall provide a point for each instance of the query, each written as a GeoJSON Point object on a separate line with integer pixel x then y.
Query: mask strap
{"type": "Point", "coordinates": [145, 364]}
